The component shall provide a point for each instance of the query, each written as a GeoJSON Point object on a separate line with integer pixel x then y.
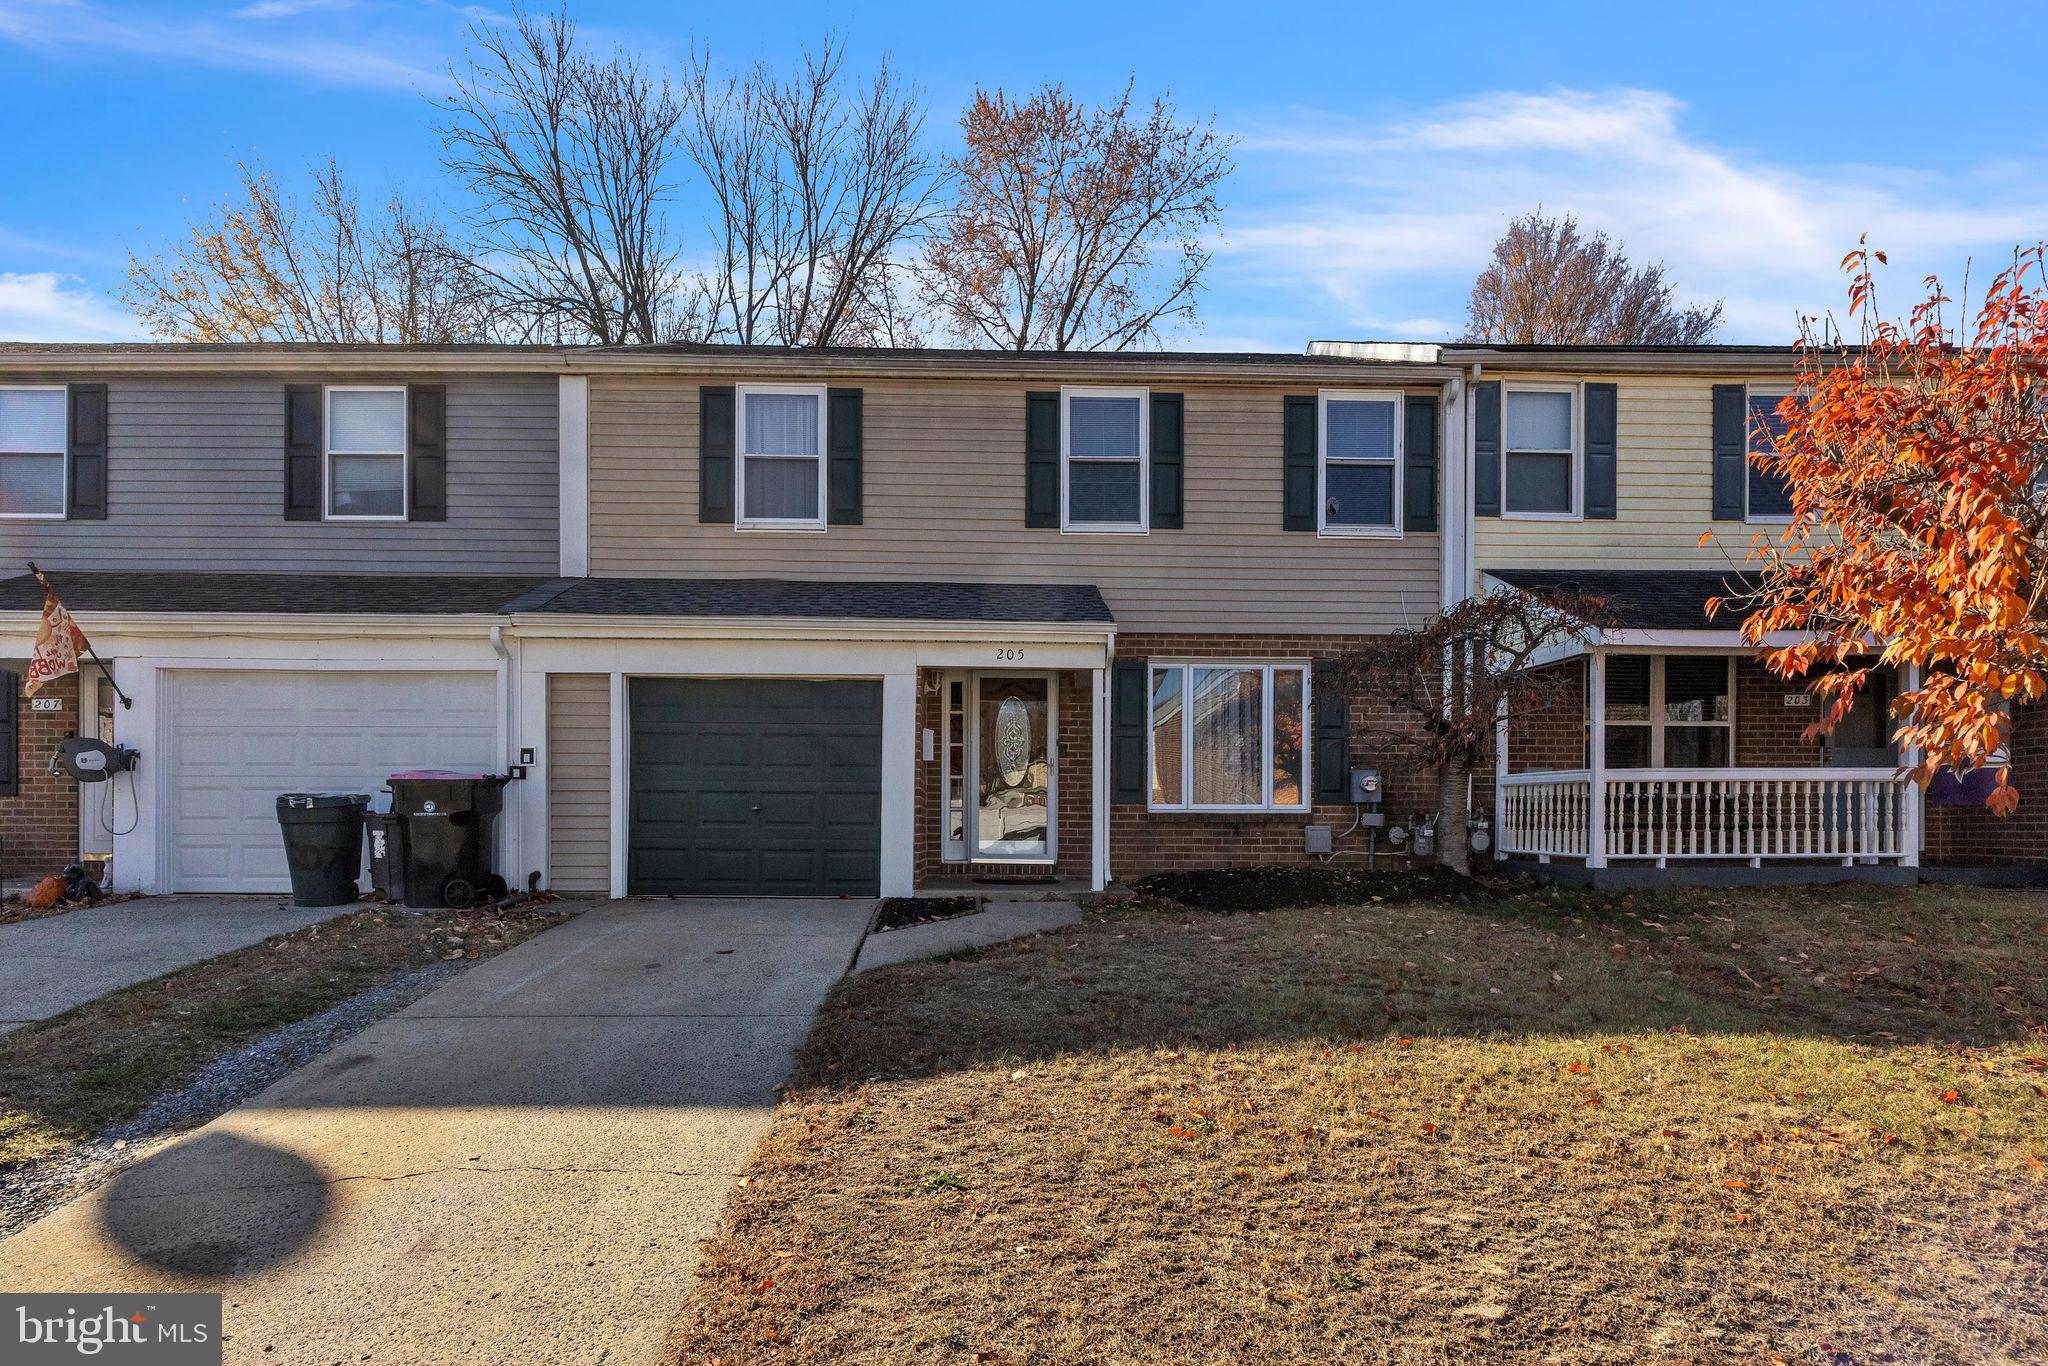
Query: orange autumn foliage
{"type": "Point", "coordinates": [1918, 469]}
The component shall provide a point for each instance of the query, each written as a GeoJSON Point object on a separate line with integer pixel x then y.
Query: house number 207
{"type": "Point", "coordinates": [1010, 653]}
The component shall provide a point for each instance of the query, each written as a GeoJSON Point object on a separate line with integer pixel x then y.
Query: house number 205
{"type": "Point", "coordinates": [1010, 653]}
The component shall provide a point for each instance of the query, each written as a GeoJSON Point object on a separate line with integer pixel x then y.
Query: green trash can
{"type": "Point", "coordinates": [323, 844]}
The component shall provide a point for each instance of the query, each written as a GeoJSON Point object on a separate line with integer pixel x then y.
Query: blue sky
{"type": "Point", "coordinates": [1381, 147]}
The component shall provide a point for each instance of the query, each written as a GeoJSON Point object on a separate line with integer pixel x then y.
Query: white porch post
{"type": "Point", "coordinates": [1916, 795]}
{"type": "Point", "coordinates": [1098, 769]}
{"type": "Point", "coordinates": [1596, 760]}
{"type": "Point", "coordinates": [1500, 778]}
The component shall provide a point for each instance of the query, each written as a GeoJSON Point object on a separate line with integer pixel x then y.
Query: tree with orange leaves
{"type": "Point", "coordinates": [1917, 465]}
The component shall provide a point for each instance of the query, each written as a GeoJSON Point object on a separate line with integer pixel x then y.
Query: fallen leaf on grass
{"type": "Point", "coordinates": [1950, 1097]}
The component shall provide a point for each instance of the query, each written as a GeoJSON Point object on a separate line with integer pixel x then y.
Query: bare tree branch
{"type": "Point", "coordinates": [1549, 283]}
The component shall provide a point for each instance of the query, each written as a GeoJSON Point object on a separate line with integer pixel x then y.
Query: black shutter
{"type": "Point", "coordinates": [302, 421]}
{"type": "Point", "coordinates": [88, 451]}
{"type": "Point", "coordinates": [1602, 406]}
{"type": "Point", "coordinates": [10, 733]}
{"type": "Point", "coordinates": [1130, 696]}
{"type": "Point", "coordinates": [1418, 450]}
{"type": "Point", "coordinates": [1332, 746]}
{"type": "Point", "coordinates": [1042, 460]}
{"type": "Point", "coordinates": [1486, 449]}
{"type": "Point", "coordinates": [843, 472]}
{"type": "Point", "coordinates": [1298, 465]}
{"type": "Point", "coordinates": [1730, 416]}
{"type": "Point", "coordinates": [427, 451]}
{"type": "Point", "coordinates": [714, 453]}
{"type": "Point", "coordinates": [1167, 462]}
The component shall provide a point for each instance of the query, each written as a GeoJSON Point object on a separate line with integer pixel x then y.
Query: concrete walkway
{"type": "Point", "coordinates": [48, 966]}
{"type": "Point", "coordinates": [998, 922]}
{"type": "Point", "coordinates": [518, 1167]}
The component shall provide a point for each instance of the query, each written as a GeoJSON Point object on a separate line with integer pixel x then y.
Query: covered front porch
{"type": "Point", "coordinates": [1668, 745]}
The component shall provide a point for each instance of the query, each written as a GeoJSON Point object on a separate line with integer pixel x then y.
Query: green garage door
{"type": "Point", "coordinates": [755, 787]}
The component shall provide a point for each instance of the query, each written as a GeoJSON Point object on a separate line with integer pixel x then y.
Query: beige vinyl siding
{"type": "Point", "coordinates": [195, 481]}
{"type": "Point", "coordinates": [944, 493]}
{"type": "Point", "coordinates": [579, 782]}
{"type": "Point", "coordinates": [1664, 492]}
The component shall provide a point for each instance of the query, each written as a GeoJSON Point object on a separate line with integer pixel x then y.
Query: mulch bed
{"type": "Point", "coordinates": [901, 912]}
{"type": "Point", "coordinates": [1280, 887]}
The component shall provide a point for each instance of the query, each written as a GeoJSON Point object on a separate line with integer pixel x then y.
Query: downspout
{"type": "Point", "coordinates": [1467, 521]}
{"type": "Point", "coordinates": [508, 844]}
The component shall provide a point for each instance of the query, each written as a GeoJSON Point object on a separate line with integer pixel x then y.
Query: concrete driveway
{"type": "Point", "coordinates": [48, 966]}
{"type": "Point", "coordinates": [518, 1167]}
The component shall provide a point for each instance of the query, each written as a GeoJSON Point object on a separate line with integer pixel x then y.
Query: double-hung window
{"type": "Point", "coordinates": [33, 439]}
{"type": "Point", "coordinates": [1540, 451]}
{"type": "Point", "coordinates": [1670, 711]}
{"type": "Point", "coordinates": [1105, 482]}
{"type": "Point", "coordinates": [1228, 737]}
{"type": "Point", "coordinates": [1358, 463]}
{"type": "Point", "coordinates": [781, 474]}
{"type": "Point", "coordinates": [1767, 493]}
{"type": "Point", "coordinates": [366, 453]}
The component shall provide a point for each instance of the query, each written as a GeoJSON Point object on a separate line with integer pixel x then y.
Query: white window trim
{"type": "Point", "coordinates": [1750, 393]}
{"type": "Point", "coordinates": [954, 849]}
{"type": "Point", "coordinates": [64, 511]}
{"type": "Point", "coordinates": [327, 454]}
{"type": "Point", "coordinates": [1578, 451]}
{"type": "Point", "coordinates": [1187, 804]}
{"type": "Point", "coordinates": [1657, 722]}
{"type": "Point", "coordinates": [1143, 525]}
{"type": "Point", "coordinates": [1324, 460]}
{"type": "Point", "coordinates": [740, 520]}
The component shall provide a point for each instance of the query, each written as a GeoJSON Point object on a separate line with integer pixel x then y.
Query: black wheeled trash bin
{"type": "Point", "coordinates": [323, 844]}
{"type": "Point", "coordinates": [387, 855]}
{"type": "Point", "coordinates": [446, 843]}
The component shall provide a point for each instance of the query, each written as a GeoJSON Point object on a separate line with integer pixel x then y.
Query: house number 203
{"type": "Point", "coordinates": [1010, 654]}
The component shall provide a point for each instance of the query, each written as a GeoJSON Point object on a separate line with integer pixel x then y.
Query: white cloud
{"type": "Point", "coordinates": [1394, 218]}
{"type": "Point", "coordinates": [72, 28]}
{"type": "Point", "coordinates": [44, 306]}
{"type": "Point", "coordinates": [289, 9]}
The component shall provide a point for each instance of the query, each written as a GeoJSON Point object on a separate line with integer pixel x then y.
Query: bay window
{"type": "Point", "coordinates": [1670, 711]}
{"type": "Point", "coordinates": [1228, 737]}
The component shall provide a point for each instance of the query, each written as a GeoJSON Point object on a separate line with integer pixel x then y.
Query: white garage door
{"type": "Point", "coordinates": [240, 739]}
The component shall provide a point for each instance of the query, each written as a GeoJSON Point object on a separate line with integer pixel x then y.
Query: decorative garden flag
{"type": "Point", "coordinates": [58, 645]}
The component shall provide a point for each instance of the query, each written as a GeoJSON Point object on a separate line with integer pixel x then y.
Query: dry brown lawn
{"type": "Point", "coordinates": [1732, 1126]}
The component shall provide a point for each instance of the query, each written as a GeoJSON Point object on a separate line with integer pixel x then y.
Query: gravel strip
{"type": "Point", "coordinates": [219, 1087]}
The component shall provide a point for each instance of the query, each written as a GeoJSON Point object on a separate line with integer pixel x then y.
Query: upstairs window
{"type": "Point", "coordinates": [366, 448]}
{"type": "Point", "coordinates": [1228, 737]}
{"type": "Point", "coordinates": [1104, 481]}
{"type": "Point", "coordinates": [781, 457]}
{"type": "Point", "coordinates": [1358, 463]}
{"type": "Point", "coordinates": [1769, 494]}
{"type": "Point", "coordinates": [1540, 450]}
{"type": "Point", "coordinates": [33, 438]}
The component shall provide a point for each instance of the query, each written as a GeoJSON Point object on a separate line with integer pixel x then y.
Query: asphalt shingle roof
{"type": "Point", "coordinates": [1641, 599]}
{"type": "Point", "coordinates": [94, 590]}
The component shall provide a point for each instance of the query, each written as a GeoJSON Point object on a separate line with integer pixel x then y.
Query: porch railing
{"type": "Point", "coordinates": [1845, 814]}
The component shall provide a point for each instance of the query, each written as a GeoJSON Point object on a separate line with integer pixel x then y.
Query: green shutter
{"type": "Point", "coordinates": [302, 424]}
{"type": "Point", "coordinates": [1418, 453]}
{"type": "Point", "coordinates": [1167, 462]}
{"type": "Point", "coordinates": [1730, 472]}
{"type": "Point", "coordinates": [88, 449]}
{"type": "Point", "coordinates": [714, 453]}
{"type": "Point", "coordinates": [1042, 460]}
{"type": "Point", "coordinates": [1332, 747]}
{"type": "Point", "coordinates": [843, 474]}
{"type": "Point", "coordinates": [1130, 698]}
{"type": "Point", "coordinates": [427, 452]}
{"type": "Point", "coordinates": [1486, 449]}
{"type": "Point", "coordinates": [1298, 463]}
{"type": "Point", "coordinates": [1602, 415]}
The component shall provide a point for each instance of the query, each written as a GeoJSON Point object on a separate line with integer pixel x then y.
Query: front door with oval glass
{"type": "Point", "coordinates": [999, 782]}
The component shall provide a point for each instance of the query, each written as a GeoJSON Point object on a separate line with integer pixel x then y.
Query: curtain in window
{"type": "Point", "coordinates": [782, 424]}
{"type": "Point", "coordinates": [32, 420]}
{"type": "Point", "coordinates": [366, 422]}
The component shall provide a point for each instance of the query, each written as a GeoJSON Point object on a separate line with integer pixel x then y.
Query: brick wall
{"type": "Point", "coordinates": [1767, 732]}
{"type": "Point", "coordinates": [1972, 834]}
{"type": "Point", "coordinates": [1143, 841]}
{"type": "Point", "coordinates": [1073, 816]}
{"type": "Point", "coordinates": [39, 827]}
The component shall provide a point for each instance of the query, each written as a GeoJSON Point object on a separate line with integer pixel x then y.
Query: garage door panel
{"type": "Point", "coordinates": [239, 738]}
{"type": "Point", "coordinates": [755, 787]}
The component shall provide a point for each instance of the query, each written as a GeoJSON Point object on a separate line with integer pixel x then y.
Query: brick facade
{"type": "Point", "coordinates": [1973, 835]}
{"type": "Point", "coordinates": [39, 825]}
